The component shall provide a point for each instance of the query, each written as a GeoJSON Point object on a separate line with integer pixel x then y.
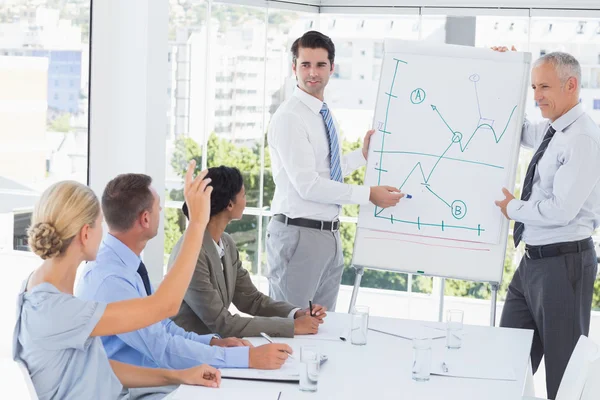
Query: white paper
{"type": "Point", "coordinates": [288, 372]}
{"type": "Point", "coordinates": [186, 392]}
{"type": "Point", "coordinates": [457, 367]}
{"type": "Point", "coordinates": [327, 332]}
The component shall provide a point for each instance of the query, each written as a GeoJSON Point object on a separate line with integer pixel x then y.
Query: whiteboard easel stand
{"type": "Point", "coordinates": [359, 271]}
{"type": "Point", "coordinates": [497, 251]}
{"type": "Point", "coordinates": [495, 287]}
{"type": "Point", "coordinates": [441, 294]}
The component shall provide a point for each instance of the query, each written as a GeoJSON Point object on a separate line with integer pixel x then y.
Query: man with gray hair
{"type": "Point", "coordinates": [551, 290]}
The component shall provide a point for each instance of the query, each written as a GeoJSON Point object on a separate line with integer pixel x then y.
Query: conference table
{"type": "Point", "coordinates": [382, 368]}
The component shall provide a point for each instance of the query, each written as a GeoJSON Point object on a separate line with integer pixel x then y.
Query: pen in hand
{"type": "Point", "coordinates": [271, 341]}
{"type": "Point", "coordinates": [310, 308]}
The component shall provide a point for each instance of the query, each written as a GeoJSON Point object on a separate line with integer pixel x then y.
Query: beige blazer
{"type": "Point", "coordinates": [212, 290]}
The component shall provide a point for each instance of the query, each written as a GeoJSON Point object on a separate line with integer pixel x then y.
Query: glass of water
{"type": "Point", "coordinates": [360, 325]}
{"type": "Point", "coordinates": [309, 368]}
{"type": "Point", "coordinates": [454, 327]}
{"type": "Point", "coordinates": [421, 359]}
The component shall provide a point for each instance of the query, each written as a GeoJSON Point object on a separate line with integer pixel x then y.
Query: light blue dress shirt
{"type": "Point", "coordinates": [113, 277]}
{"type": "Point", "coordinates": [52, 338]}
{"type": "Point", "coordinates": [565, 199]}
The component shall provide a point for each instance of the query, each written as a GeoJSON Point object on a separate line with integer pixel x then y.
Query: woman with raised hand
{"type": "Point", "coordinates": [220, 279]}
{"type": "Point", "coordinates": [57, 335]}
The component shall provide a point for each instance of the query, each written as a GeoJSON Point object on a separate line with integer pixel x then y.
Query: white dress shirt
{"type": "Point", "coordinates": [565, 200]}
{"type": "Point", "coordinates": [299, 146]}
{"type": "Point", "coordinates": [221, 251]}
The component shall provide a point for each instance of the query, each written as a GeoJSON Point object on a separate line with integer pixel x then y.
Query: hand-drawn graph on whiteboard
{"type": "Point", "coordinates": [446, 132]}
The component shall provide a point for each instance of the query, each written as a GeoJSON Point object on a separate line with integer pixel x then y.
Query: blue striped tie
{"type": "Point", "coordinates": [334, 145]}
{"type": "Point", "coordinates": [528, 182]}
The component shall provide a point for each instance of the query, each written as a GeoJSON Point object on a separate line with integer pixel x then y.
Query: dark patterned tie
{"type": "Point", "coordinates": [528, 182]}
{"type": "Point", "coordinates": [144, 274]}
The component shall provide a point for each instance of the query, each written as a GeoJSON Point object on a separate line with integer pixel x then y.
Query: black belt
{"type": "Point", "coordinates": [331, 226]}
{"type": "Point", "coordinates": [558, 249]}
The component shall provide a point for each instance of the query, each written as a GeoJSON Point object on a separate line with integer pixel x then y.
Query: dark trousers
{"type": "Point", "coordinates": [552, 296]}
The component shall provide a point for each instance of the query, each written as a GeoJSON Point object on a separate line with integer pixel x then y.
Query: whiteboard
{"type": "Point", "coordinates": [448, 122]}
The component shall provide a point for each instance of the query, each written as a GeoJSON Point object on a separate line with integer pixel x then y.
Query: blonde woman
{"type": "Point", "coordinates": [57, 334]}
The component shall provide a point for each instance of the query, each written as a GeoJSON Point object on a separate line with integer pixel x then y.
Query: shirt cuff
{"type": "Point", "coordinates": [513, 207]}
{"type": "Point", "coordinates": [205, 339]}
{"type": "Point", "coordinates": [360, 194]}
{"type": "Point", "coordinates": [293, 312]}
{"type": "Point", "coordinates": [237, 357]}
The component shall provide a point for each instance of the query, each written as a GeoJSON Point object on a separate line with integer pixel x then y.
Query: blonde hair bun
{"type": "Point", "coordinates": [60, 213]}
{"type": "Point", "coordinates": [44, 240]}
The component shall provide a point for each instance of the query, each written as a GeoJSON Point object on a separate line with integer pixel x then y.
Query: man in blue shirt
{"type": "Point", "coordinates": [132, 211]}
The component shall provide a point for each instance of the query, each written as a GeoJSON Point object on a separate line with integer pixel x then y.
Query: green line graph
{"type": "Point", "coordinates": [457, 140]}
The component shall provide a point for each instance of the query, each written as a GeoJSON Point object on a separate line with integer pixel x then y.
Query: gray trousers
{"type": "Point", "coordinates": [552, 296]}
{"type": "Point", "coordinates": [304, 264]}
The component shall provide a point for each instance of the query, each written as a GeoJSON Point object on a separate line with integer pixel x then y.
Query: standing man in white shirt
{"type": "Point", "coordinates": [304, 250]}
{"type": "Point", "coordinates": [551, 291]}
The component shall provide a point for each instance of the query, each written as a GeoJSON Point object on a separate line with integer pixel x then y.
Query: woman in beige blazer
{"type": "Point", "coordinates": [220, 279]}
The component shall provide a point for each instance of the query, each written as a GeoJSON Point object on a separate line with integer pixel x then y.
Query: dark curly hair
{"type": "Point", "coordinates": [226, 182]}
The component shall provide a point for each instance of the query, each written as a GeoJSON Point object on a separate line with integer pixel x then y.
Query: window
{"type": "Point", "coordinates": [343, 49]}
{"type": "Point", "coordinates": [33, 123]}
{"type": "Point", "coordinates": [577, 37]}
{"type": "Point", "coordinates": [336, 70]}
{"type": "Point", "coordinates": [237, 105]}
{"type": "Point", "coordinates": [501, 30]}
{"type": "Point", "coordinates": [356, 118]}
{"type": "Point", "coordinates": [224, 108]}
{"type": "Point", "coordinates": [342, 71]}
{"type": "Point", "coordinates": [376, 72]}
{"type": "Point", "coordinates": [21, 221]}
{"type": "Point", "coordinates": [378, 50]}
{"type": "Point", "coordinates": [594, 82]}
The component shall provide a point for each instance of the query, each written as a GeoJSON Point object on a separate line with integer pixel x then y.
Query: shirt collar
{"type": "Point", "coordinates": [220, 248]}
{"type": "Point", "coordinates": [127, 256]}
{"type": "Point", "coordinates": [568, 118]}
{"type": "Point", "coordinates": [309, 101]}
